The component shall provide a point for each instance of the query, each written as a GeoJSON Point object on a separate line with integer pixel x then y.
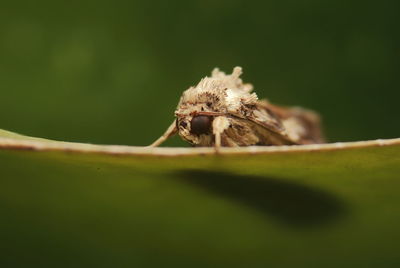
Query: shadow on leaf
{"type": "Point", "coordinates": [294, 204]}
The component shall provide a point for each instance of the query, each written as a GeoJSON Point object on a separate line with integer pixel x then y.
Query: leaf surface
{"type": "Point", "coordinates": [81, 205]}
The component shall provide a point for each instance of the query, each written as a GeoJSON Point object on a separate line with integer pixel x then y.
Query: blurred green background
{"type": "Point", "coordinates": [111, 72]}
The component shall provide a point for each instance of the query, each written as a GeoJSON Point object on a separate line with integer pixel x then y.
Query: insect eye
{"type": "Point", "coordinates": [200, 124]}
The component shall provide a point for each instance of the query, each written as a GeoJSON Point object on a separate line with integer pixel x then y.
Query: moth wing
{"type": "Point", "coordinates": [268, 126]}
{"type": "Point", "coordinates": [302, 126]}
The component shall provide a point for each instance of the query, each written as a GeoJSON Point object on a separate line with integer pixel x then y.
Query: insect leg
{"type": "Point", "coordinates": [219, 124]}
{"type": "Point", "coordinates": [172, 130]}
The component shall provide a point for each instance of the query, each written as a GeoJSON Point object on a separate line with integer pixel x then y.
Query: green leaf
{"type": "Point", "coordinates": [80, 205]}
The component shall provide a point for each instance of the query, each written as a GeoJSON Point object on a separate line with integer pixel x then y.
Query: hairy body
{"type": "Point", "coordinates": [222, 111]}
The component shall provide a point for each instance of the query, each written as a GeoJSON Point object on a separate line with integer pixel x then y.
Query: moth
{"type": "Point", "coordinates": [223, 111]}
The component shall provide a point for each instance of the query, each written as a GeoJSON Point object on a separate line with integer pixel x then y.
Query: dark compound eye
{"type": "Point", "coordinates": [200, 124]}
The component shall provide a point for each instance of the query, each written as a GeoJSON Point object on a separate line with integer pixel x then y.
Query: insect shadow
{"type": "Point", "coordinates": [294, 204]}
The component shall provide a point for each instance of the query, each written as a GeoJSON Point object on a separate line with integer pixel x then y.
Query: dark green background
{"type": "Point", "coordinates": [111, 72]}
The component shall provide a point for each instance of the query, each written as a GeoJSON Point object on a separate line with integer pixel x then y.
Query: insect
{"type": "Point", "coordinates": [222, 111]}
